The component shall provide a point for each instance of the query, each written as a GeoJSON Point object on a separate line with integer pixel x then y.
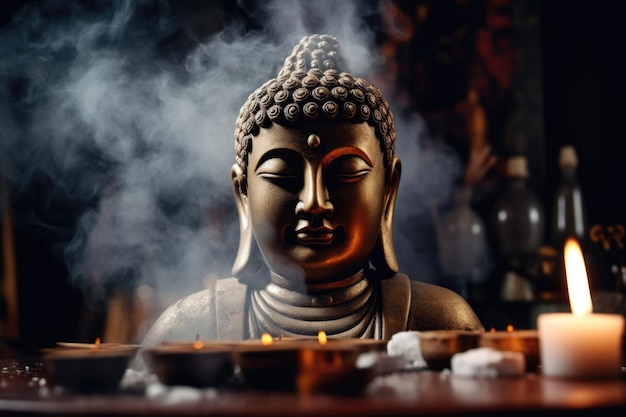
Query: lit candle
{"type": "Point", "coordinates": [87, 367]}
{"type": "Point", "coordinates": [198, 364]}
{"type": "Point", "coordinates": [438, 346]}
{"type": "Point", "coordinates": [305, 364]}
{"type": "Point", "coordinates": [581, 344]}
{"type": "Point", "coordinates": [511, 340]}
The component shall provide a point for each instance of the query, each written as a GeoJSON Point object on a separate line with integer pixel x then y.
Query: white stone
{"type": "Point", "coordinates": [488, 363]}
{"type": "Point", "coordinates": [407, 346]}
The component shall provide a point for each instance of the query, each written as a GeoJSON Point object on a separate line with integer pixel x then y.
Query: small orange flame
{"type": "Point", "coordinates": [321, 337]}
{"type": "Point", "coordinates": [197, 344]}
{"type": "Point", "coordinates": [492, 330]}
{"type": "Point", "coordinates": [96, 344]}
{"type": "Point", "coordinates": [266, 339]}
{"type": "Point", "coordinates": [509, 328]}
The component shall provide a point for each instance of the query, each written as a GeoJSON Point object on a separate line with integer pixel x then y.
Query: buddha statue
{"type": "Point", "coordinates": [315, 183]}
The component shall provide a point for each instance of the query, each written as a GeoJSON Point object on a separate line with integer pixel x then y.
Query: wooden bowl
{"type": "Point", "coordinates": [524, 341]}
{"type": "Point", "coordinates": [87, 370]}
{"type": "Point", "coordinates": [273, 367]}
{"type": "Point", "coordinates": [305, 366]}
{"type": "Point", "coordinates": [438, 346]}
{"type": "Point", "coordinates": [205, 366]}
{"type": "Point", "coordinates": [99, 346]}
{"type": "Point", "coordinates": [363, 345]}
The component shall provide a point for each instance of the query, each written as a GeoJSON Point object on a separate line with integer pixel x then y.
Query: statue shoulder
{"type": "Point", "coordinates": [213, 313]}
{"type": "Point", "coordinates": [189, 317]}
{"type": "Point", "coordinates": [204, 314]}
{"type": "Point", "coordinates": [435, 308]}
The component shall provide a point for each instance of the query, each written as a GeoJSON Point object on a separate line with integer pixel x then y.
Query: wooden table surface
{"type": "Point", "coordinates": [423, 393]}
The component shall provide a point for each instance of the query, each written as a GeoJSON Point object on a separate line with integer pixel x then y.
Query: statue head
{"type": "Point", "coordinates": [316, 176]}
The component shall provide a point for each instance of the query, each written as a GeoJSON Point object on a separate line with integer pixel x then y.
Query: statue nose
{"type": "Point", "coordinates": [314, 198]}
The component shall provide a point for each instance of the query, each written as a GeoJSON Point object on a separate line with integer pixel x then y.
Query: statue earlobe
{"type": "Point", "coordinates": [384, 256]}
{"type": "Point", "coordinates": [249, 267]}
{"type": "Point", "coordinates": [244, 252]}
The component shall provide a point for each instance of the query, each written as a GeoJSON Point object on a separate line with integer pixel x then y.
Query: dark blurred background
{"type": "Point", "coordinates": [545, 74]}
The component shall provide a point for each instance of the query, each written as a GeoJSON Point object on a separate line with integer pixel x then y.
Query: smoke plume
{"type": "Point", "coordinates": [129, 109]}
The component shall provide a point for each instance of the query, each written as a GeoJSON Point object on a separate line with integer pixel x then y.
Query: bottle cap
{"type": "Point", "coordinates": [516, 167]}
{"type": "Point", "coordinates": [568, 157]}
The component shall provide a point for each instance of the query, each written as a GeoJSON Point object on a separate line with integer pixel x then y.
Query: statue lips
{"type": "Point", "coordinates": [308, 235]}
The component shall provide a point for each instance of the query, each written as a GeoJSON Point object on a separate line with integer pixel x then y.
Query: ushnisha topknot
{"type": "Point", "coordinates": [314, 85]}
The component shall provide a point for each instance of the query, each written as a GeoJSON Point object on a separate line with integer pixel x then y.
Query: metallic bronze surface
{"type": "Point", "coordinates": [315, 183]}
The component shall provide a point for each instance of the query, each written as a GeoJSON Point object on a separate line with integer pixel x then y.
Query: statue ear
{"type": "Point", "coordinates": [384, 256]}
{"type": "Point", "coordinates": [244, 253]}
{"type": "Point", "coordinates": [249, 267]}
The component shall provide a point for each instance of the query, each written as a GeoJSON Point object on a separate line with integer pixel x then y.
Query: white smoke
{"type": "Point", "coordinates": [115, 105]}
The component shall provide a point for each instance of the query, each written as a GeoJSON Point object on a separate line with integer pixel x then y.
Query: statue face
{"type": "Point", "coordinates": [315, 197]}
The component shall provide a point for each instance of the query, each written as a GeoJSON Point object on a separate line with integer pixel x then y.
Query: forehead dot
{"type": "Point", "coordinates": [314, 141]}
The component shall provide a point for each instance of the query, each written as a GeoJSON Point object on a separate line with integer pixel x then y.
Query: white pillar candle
{"type": "Point", "coordinates": [581, 344]}
{"type": "Point", "coordinates": [580, 347]}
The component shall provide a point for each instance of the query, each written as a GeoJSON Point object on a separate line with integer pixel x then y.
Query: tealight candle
{"type": "Point", "coordinates": [582, 344]}
{"type": "Point", "coordinates": [439, 346]}
{"type": "Point", "coordinates": [87, 367]}
{"type": "Point", "coordinates": [197, 364]}
{"type": "Point", "coordinates": [523, 341]}
{"type": "Point", "coordinates": [305, 364]}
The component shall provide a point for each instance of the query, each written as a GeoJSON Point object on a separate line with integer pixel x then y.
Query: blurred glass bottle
{"type": "Point", "coordinates": [568, 216]}
{"type": "Point", "coordinates": [518, 224]}
{"type": "Point", "coordinates": [462, 244]}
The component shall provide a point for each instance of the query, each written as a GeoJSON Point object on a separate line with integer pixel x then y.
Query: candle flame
{"type": "Point", "coordinates": [492, 330]}
{"type": "Point", "coordinates": [266, 339]}
{"type": "Point", "coordinates": [509, 328]}
{"type": "Point", "coordinates": [96, 344]}
{"type": "Point", "coordinates": [321, 337]}
{"type": "Point", "coordinates": [577, 282]}
{"type": "Point", "coordinates": [197, 344]}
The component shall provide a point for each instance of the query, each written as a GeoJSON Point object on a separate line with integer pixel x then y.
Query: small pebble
{"type": "Point", "coordinates": [408, 346]}
{"type": "Point", "coordinates": [488, 363]}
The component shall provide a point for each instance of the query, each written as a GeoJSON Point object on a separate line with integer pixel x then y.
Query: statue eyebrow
{"type": "Point", "coordinates": [345, 150]}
